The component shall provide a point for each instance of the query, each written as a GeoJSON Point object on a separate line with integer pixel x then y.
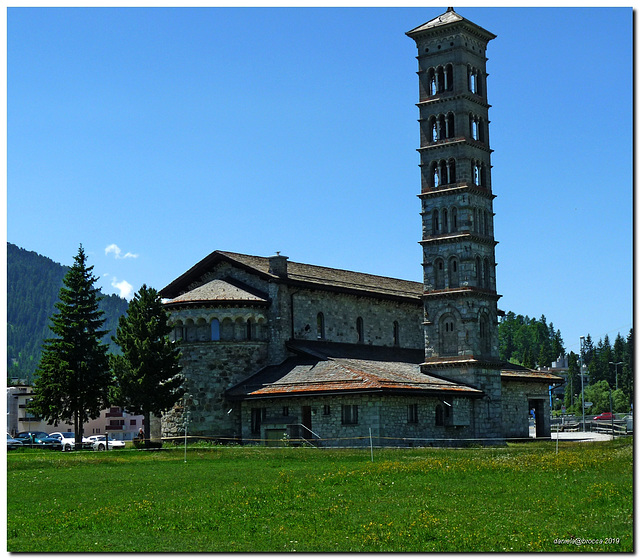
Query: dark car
{"type": "Point", "coordinates": [12, 443]}
{"type": "Point", "coordinates": [38, 439]}
{"type": "Point", "coordinates": [604, 416]}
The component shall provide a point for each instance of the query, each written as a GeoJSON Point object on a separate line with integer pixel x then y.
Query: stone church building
{"type": "Point", "coordinates": [274, 349]}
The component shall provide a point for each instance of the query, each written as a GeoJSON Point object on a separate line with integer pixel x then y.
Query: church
{"type": "Point", "coordinates": [276, 350]}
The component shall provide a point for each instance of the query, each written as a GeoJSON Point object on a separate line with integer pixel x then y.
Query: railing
{"type": "Point", "coordinates": [293, 431]}
{"type": "Point", "coordinates": [620, 427]}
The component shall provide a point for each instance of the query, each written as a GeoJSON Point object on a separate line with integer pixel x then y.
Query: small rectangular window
{"type": "Point", "coordinates": [285, 411]}
{"type": "Point", "coordinates": [132, 422]}
{"type": "Point", "coordinates": [326, 410]}
{"type": "Point", "coordinates": [349, 415]}
{"type": "Point", "coordinates": [412, 413]}
{"type": "Point", "coordinates": [257, 415]}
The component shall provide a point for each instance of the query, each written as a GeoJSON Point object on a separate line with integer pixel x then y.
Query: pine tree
{"type": "Point", "coordinates": [557, 345]}
{"type": "Point", "coordinates": [148, 379]}
{"type": "Point", "coordinates": [73, 374]}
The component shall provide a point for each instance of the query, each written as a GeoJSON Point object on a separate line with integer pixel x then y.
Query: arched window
{"type": "Point", "coordinates": [445, 221]}
{"type": "Point", "coordinates": [439, 416]}
{"type": "Point", "coordinates": [178, 332]}
{"type": "Point", "coordinates": [202, 330]}
{"type": "Point", "coordinates": [226, 330]}
{"type": "Point", "coordinates": [442, 127]}
{"type": "Point", "coordinates": [454, 276]}
{"type": "Point", "coordinates": [474, 80]}
{"type": "Point", "coordinates": [486, 223]}
{"type": "Point", "coordinates": [215, 330]}
{"type": "Point", "coordinates": [240, 330]}
{"type": "Point", "coordinates": [261, 330]}
{"type": "Point", "coordinates": [396, 333]}
{"type": "Point", "coordinates": [432, 82]}
{"type": "Point", "coordinates": [190, 331]}
{"type": "Point", "coordinates": [320, 326]}
{"type": "Point", "coordinates": [448, 335]}
{"type": "Point", "coordinates": [360, 330]}
{"type": "Point", "coordinates": [435, 222]}
{"type": "Point", "coordinates": [485, 272]}
{"type": "Point", "coordinates": [485, 337]}
{"type": "Point", "coordinates": [438, 269]}
{"type": "Point", "coordinates": [440, 79]}
{"type": "Point", "coordinates": [449, 77]}
{"type": "Point", "coordinates": [478, 173]}
{"type": "Point", "coordinates": [451, 168]}
{"type": "Point", "coordinates": [249, 329]}
{"type": "Point", "coordinates": [454, 219]}
{"type": "Point", "coordinates": [450, 126]}
{"type": "Point", "coordinates": [435, 175]}
{"type": "Point", "coordinates": [478, 272]}
{"type": "Point", "coordinates": [473, 127]}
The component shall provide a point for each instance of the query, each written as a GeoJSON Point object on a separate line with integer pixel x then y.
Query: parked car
{"type": "Point", "coordinates": [604, 416]}
{"type": "Point", "coordinates": [98, 442]}
{"type": "Point", "coordinates": [32, 438]}
{"type": "Point", "coordinates": [51, 442]}
{"type": "Point", "coordinates": [12, 443]}
{"type": "Point", "coordinates": [68, 440]}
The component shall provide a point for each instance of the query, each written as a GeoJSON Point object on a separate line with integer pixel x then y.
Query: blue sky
{"type": "Point", "coordinates": [155, 136]}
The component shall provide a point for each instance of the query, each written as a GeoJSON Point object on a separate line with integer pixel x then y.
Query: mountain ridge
{"type": "Point", "coordinates": [33, 288]}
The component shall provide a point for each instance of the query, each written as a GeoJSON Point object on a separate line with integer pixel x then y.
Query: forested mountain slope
{"type": "Point", "coordinates": [33, 286]}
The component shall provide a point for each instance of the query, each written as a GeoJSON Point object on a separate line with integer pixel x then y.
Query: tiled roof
{"type": "Point", "coordinates": [511, 371]}
{"type": "Point", "coordinates": [508, 371]}
{"type": "Point", "coordinates": [315, 276]}
{"type": "Point", "coordinates": [318, 373]}
{"type": "Point", "coordinates": [334, 277]}
{"type": "Point", "coordinates": [217, 290]}
{"type": "Point", "coordinates": [448, 17]}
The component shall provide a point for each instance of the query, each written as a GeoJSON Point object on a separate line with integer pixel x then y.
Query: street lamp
{"type": "Point", "coordinates": [582, 377]}
{"type": "Point", "coordinates": [616, 366]}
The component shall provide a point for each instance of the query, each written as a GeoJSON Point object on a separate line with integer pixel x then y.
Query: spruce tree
{"type": "Point", "coordinates": [147, 374]}
{"type": "Point", "coordinates": [73, 374]}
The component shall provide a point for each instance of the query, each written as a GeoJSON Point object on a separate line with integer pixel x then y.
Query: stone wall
{"type": "Point", "coordinates": [517, 399]}
{"type": "Point", "coordinates": [486, 412]}
{"type": "Point", "coordinates": [386, 416]}
{"type": "Point", "coordinates": [210, 369]}
{"type": "Point", "coordinates": [341, 311]}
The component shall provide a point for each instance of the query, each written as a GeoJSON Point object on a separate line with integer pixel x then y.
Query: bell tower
{"type": "Point", "coordinates": [460, 298]}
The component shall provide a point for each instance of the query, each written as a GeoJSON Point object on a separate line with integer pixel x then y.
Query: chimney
{"type": "Point", "coordinates": [278, 265]}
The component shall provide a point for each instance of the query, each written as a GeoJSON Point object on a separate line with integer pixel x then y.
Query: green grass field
{"type": "Point", "coordinates": [522, 497]}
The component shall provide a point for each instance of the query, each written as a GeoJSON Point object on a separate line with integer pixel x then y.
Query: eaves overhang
{"type": "Point", "coordinates": [461, 292]}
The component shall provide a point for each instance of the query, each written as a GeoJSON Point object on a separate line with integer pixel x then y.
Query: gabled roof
{"type": "Point", "coordinates": [220, 291]}
{"type": "Point", "coordinates": [301, 275]}
{"type": "Point", "coordinates": [330, 368]}
{"type": "Point", "coordinates": [449, 18]}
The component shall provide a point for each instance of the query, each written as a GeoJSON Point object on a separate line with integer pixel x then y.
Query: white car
{"type": "Point", "coordinates": [98, 442]}
{"type": "Point", "coordinates": [68, 440]}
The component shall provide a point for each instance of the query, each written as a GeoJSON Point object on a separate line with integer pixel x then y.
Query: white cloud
{"type": "Point", "coordinates": [118, 252]}
{"type": "Point", "coordinates": [124, 287]}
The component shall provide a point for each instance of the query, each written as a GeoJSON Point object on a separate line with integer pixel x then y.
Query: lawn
{"type": "Point", "coordinates": [522, 497]}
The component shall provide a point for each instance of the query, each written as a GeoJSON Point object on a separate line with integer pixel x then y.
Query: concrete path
{"type": "Point", "coordinates": [581, 436]}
